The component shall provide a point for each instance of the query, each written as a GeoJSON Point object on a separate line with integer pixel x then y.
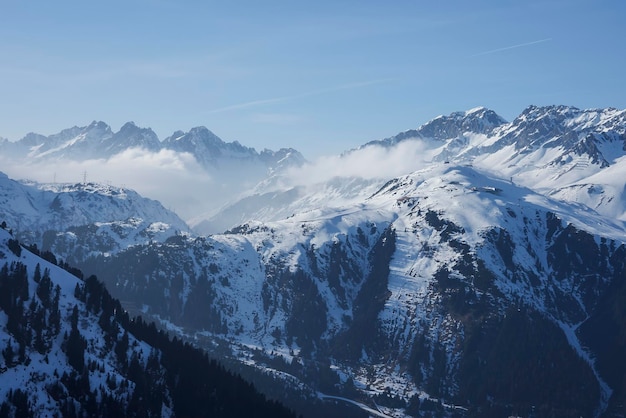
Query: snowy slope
{"type": "Point", "coordinates": [45, 375]}
{"type": "Point", "coordinates": [69, 349]}
{"type": "Point", "coordinates": [270, 203]}
{"type": "Point", "coordinates": [414, 268]}
{"type": "Point", "coordinates": [494, 253]}
{"type": "Point", "coordinates": [97, 217]}
{"type": "Point", "coordinates": [564, 152]}
{"type": "Point", "coordinates": [556, 149]}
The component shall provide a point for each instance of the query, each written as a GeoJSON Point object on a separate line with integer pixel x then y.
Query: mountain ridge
{"type": "Point", "coordinates": [117, 217]}
{"type": "Point", "coordinates": [137, 156]}
{"type": "Point", "coordinates": [561, 151]}
{"type": "Point", "coordinates": [70, 349]}
{"type": "Point", "coordinates": [467, 283]}
{"type": "Point", "coordinates": [97, 140]}
{"type": "Point", "coordinates": [407, 261]}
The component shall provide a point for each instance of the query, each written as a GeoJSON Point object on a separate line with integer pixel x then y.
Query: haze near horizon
{"type": "Point", "coordinates": [321, 77]}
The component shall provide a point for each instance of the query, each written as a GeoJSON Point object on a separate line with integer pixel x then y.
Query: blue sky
{"type": "Point", "coordinates": [321, 77]}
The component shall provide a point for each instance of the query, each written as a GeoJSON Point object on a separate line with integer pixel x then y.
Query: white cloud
{"type": "Point", "coordinates": [182, 185]}
{"type": "Point", "coordinates": [371, 162]}
{"type": "Point", "coordinates": [174, 179]}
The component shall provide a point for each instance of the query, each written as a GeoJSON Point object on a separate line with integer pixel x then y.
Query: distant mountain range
{"type": "Point", "coordinates": [469, 267]}
{"type": "Point", "coordinates": [223, 169]}
{"type": "Point", "coordinates": [97, 140]}
{"type": "Point", "coordinates": [564, 152]}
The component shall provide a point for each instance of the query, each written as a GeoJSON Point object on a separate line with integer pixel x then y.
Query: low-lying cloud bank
{"type": "Point", "coordinates": [175, 179]}
{"type": "Point", "coordinates": [184, 186]}
{"type": "Point", "coordinates": [371, 162]}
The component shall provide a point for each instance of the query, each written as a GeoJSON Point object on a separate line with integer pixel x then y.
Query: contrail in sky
{"type": "Point", "coordinates": [251, 104]}
{"type": "Point", "coordinates": [506, 48]}
{"type": "Point", "coordinates": [254, 103]}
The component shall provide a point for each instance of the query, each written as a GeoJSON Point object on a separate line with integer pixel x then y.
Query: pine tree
{"type": "Point", "coordinates": [15, 247]}
{"type": "Point", "coordinates": [8, 353]}
{"type": "Point", "coordinates": [5, 410]}
{"type": "Point", "coordinates": [44, 288]}
{"type": "Point", "coordinates": [74, 318]}
{"type": "Point", "coordinates": [37, 275]}
{"type": "Point", "coordinates": [54, 319]}
{"type": "Point", "coordinates": [75, 350]}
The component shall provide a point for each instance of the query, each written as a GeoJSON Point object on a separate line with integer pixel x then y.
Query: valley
{"type": "Point", "coordinates": [479, 271]}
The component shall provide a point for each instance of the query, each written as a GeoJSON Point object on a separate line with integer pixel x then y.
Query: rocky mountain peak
{"type": "Point", "coordinates": [284, 157]}
{"type": "Point", "coordinates": [204, 135]}
{"type": "Point", "coordinates": [33, 139]}
{"type": "Point", "coordinates": [563, 126]}
{"type": "Point", "coordinates": [478, 120]}
{"type": "Point", "coordinates": [129, 126]}
{"type": "Point", "coordinates": [132, 136]}
{"type": "Point", "coordinates": [432, 285]}
{"type": "Point", "coordinates": [99, 127]}
{"type": "Point", "coordinates": [175, 136]}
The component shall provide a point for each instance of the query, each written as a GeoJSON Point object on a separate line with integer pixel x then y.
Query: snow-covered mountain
{"type": "Point", "coordinates": [98, 141]}
{"type": "Point", "coordinates": [409, 292]}
{"type": "Point", "coordinates": [479, 120]}
{"type": "Point", "coordinates": [69, 349]}
{"type": "Point", "coordinates": [88, 218]}
{"type": "Point", "coordinates": [572, 154]}
{"type": "Point", "coordinates": [568, 153]}
{"type": "Point", "coordinates": [220, 171]}
{"type": "Point", "coordinates": [207, 146]}
{"type": "Point", "coordinates": [275, 203]}
{"type": "Point", "coordinates": [470, 267]}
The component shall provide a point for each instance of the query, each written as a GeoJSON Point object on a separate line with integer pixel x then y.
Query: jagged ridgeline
{"type": "Point", "coordinates": [432, 307]}
{"type": "Point", "coordinates": [69, 349]}
{"type": "Point", "coordinates": [485, 279]}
